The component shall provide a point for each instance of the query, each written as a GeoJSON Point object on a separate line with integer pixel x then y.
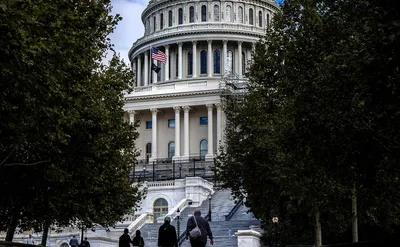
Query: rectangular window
{"type": "Point", "coordinates": [171, 123]}
{"type": "Point", "coordinates": [203, 121]}
{"type": "Point", "coordinates": [149, 125]}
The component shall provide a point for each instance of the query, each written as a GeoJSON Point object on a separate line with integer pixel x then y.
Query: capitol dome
{"type": "Point", "coordinates": [196, 44]}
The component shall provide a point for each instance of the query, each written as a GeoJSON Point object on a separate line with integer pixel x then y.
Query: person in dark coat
{"type": "Point", "coordinates": [204, 228]}
{"type": "Point", "coordinates": [125, 239]}
{"type": "Point", "coordinates": [167, 234]}
{"type": "Point", "coordinates": [138, 240]}
{"type": "Point", "coordinates": [85, 243]}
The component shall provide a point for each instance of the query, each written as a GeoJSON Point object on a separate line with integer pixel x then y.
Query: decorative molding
{"type": "Point", "coordinates": [154, 111]}
{"type": "Point", "coordinates": [177, 109]}
{"type": "Point", "coordinates": [186, 108]}
{"type": "Point", "coordinates": [210, 107]}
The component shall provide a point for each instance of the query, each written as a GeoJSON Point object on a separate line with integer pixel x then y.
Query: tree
{"type": "Point", "coordinates": [318, 123]}
{"type": "Point", "coordinates": [65, 150]}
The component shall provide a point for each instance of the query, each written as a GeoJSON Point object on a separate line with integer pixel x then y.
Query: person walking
{"type": "Point", "coordinates": [197, 221]}
{"type": "Point", "coordinates": [30, 240]}
{"type": "Point", "coordinates": [125, 239]}
{"type": "Point", "coordinates": [74, 242]}
{"type": "Point", "coordinates": [85, 243]}
{"type": "Point", "coordinates": [167, 234]}
{"type": "Point", "coordinates": [138, 240]}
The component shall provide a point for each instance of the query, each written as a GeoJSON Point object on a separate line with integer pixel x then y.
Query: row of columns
{"type": "Point", "coordinates": [186, 130]}
{"type": "Point", "coordinates": [138, 64]}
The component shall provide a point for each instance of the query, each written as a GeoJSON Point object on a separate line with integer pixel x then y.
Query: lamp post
{"type": "Point", "coordinates": [180, 170]}
{"type": "Point", "coordinates": [275, 220]}
{"type": "Point", "coordinates": [178, 224]}
{"type": "Point", "coordinates": [144, 173]}
{"type": "Point", "coordinates": [209, 207]}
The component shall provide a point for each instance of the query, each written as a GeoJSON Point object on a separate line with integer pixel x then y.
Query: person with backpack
{"type": "Point", "coordinates": [138, 240]}
{"type": "Point", "coordinates": [198, 229]}
{"type": "Point", "coordinates": [167, 234]}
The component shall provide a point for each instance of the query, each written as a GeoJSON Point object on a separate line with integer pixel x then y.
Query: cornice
{"type": "Point", "coordinates": [171, 95]}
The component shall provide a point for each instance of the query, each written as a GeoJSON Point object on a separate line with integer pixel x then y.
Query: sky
{"type": "Point", "coordinates": [130, 28]}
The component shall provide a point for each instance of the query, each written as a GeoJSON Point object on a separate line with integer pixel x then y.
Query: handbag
{"type": "Point", "coordinates": [195, 232]}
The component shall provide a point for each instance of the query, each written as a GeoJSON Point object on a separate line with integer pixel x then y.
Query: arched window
{"type": "Point", "coordinates": [170, 18]}
{"type": "Point", "coordinates": [251, 16]}
{"type": "Point", "coordinates": [228, 13]}
{"type": "Point", "coordinates": [260, 19]}
{"type": "Point", "coordinates": [154, 23]}
{"type": "Point", "coordinates": [203, 13]}
{"type": "Point", "coordinates": [190, 63]}
{"type": "Point", "coordinates": [180, 16]}
{"type": "Point", "coordinates": [176, 64]}
{"type": "Point", "coordinates": [240, 15]}
{"type": "Point", "coordinates": [229, 62]}
{"type": "Point", "coordinates": [160, 208]}
{"type": "Point", "coordinates": [161, 21]}
{"type": "Point", "coordinates": [216, 12]}
{"type": "Point", "coordinates": [203, 62]}
{"type": "Point", "coordinates": [171, 150]}
{"type": "Point", "coordinates": [147, 26]}
{"type": "Point", "coordinates": [191, 14]}
{"type": "Point", "coordinates": [267, 20]}
{"type": "Point", "coordinates": [203, 148]}
{"type": "Point", "coordinates": [148, 151]}
{"type": "Point", "coordinates": [217, 62]}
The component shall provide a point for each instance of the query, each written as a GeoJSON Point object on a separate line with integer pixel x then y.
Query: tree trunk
{"type": "Point", "coordinates": [11, 227]}
{"type": "Point", "coordinates": [318, 231]}
{"type": "Point", "coordinates": [45, 233]}
{"type": "Point", "coordinates": [354, 213]}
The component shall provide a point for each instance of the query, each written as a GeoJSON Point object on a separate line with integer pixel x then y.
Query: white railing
{"type": "Point", "coordinates": [161, 183]}
{"type": "Point", "coordinates": [181, 205]}
{"type": "Point", "coordinates": [138, 223]}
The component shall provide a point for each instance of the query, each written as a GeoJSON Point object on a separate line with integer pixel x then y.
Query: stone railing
{"type": "Point", "coordinates": [176, 85]}
{"type": "Point", "coordinates": [248, 238]}
{"type": "Point", "coordinates": [169, 183]}
{"type": "Point", "coordinates": [138, 223]}
{"type": "Point", "coordinates": [181, 205]}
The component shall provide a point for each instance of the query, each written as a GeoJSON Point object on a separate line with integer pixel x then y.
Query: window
{"type": "Point", "coordinates": [149, 125]}
{"type": "Point", "coordinates": [154, 24]}
{"type": "Point", "coordinates": [216, 12]}
{"type": "Point", "coordinates": [191, 14]}
{"type": "Point", "coordinates": [260, 19]}
{"type": "Point", "coordinates": [203, 62]}
{"type": "Point", "coordinates": [203, 121]}
{"type": "Point", "coordinates": [171, 123]}
{"type": "Point", "coordinates": [180, 16]}
{"type": "Point", "coordinates": [148, 151]}
{"type": "Point", "coordinates": [190, 63]}
{"type": "Point", "coordinates": [229, 62]}
{"type": "Point", "coordinates": [240, 15]}
{"type": "Point", "coordinates": [176, 64]}
{"type": "Point", "coordinates": [267, 21]}
{"type": "Point", "coordinates": [228, 13]}
{"type": "Point", "coordinates": [217, 62]}
{"type": "Point", "coordinates": [170, 18]}
{"type": "Point", "coordinates": [203, 13]}
{"type": "Point", "coordinates": [161, 21]}
{"type": "Point", "coordinates": [171, 150]}
{"type": "Point", "coordinates": [160, 208]}
{"type": "Point", "coordinates": [251, 21]}
{"type": "Point", "coordinates": [203, 149]}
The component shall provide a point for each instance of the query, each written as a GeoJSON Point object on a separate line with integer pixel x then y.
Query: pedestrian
{"type": "Point", "coordinates": [85, 243]}
{"type": "Point", "coordinates": [138, 240]}
{"type": "Point", "coordinates": [125, 239]}
{"type": "Point", "coordinates": [167, 234]}
{"type": "Point", "coordinates": [74, 242]}
{"type": "Point", "coordinates": [197, 221]}
{"type": "Point", "coordinates": [30, 240]}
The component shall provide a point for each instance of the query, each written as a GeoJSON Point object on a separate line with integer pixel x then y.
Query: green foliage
{"type": "Point", "coordinates": [65, 151]}
{"type": "Point", "coordinates": [320, 115]}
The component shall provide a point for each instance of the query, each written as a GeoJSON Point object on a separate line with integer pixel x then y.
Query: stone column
{"type": "Point", "coordinates": [180, 60]}
{"type": "Point", "coordinates": [146, 68]}
{"type": "Point", "coordinates": [240, 58]}
{"type": "Point", "coordinates": [154, 112]}
{"type": "Point", "coordinates": [209, 58]}
{"type": "Point", "coordinates": [194, 58]}
{"type": "Point", "coordinates": [210, 152]}
{"type": "Point", "coordinates": [177, 154]}
{"type": "Point", "coordinates": [186, 110]}
{"type": "Point", "coordinates": [167, 63]}
{"type": "Point", "coordinates": [219, 125]}
{"type": "Point", "coordinates": [224, 55]}
{"type": "Point", "coordinates": [139, 71]}
{"type": "Point", "coordinates": [154, 73]}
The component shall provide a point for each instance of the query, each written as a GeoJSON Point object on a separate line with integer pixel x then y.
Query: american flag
{"type": "Point", "coordinates": [158, 55]}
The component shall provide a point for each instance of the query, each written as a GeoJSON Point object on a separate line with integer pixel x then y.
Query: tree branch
{"type": "Point", "coordinates": [29, 164]}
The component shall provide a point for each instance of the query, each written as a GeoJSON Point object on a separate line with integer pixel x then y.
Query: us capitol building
{"type": "Point", "coordinates": [192, 54]}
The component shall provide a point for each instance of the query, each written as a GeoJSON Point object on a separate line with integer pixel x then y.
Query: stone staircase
{"type": "Point", "coordinates": [223, 231]}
